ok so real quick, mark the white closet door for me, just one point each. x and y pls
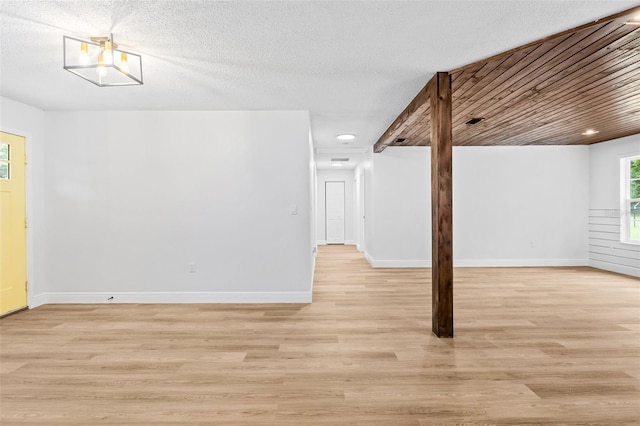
(334, 212)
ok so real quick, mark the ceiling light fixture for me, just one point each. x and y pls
(100, 61)
(336, 164)
(589, 132)
(346, 137)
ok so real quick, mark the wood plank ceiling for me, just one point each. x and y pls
(544, 93)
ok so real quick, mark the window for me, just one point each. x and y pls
(631, 199)
(4, 161)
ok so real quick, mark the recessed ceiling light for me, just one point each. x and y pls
(474, 120)
(346, 137)
(336, 164)
(634, 21)
(589, 132)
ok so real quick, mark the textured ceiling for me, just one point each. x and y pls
(353, 65)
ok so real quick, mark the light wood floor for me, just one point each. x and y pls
(532, 346)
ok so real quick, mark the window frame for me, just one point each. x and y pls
(626, 200)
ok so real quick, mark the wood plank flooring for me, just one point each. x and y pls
(532, 346)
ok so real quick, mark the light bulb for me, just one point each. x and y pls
(124, 63)
(108, 52)
(84, 54)
(101, 69)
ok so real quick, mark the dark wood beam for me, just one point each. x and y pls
(441, 205)
(405, 120)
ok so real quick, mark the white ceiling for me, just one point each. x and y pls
(354, 65)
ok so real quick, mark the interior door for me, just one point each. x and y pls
(334, 212)
(13, 255)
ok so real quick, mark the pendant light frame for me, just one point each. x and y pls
(120, 67)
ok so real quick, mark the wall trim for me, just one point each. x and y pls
(476, 263)
(314, 255)
(170, 297)
(514, 263)
(416, 263)
(346, 243)
(612, 267)
(369, 258)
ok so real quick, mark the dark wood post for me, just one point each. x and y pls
(441, 206)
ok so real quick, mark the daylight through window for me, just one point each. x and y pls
(631, 199)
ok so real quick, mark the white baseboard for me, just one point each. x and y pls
(369, 259)
(397, 263)
(476, 263)
(313, 269)
(516, 263)
(171, 297)
(346, 242)
(620, 269)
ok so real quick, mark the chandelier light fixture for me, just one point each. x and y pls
(100, 61)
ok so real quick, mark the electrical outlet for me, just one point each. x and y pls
(192, 267)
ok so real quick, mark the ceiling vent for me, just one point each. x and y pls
(339, 160)
(399, 141)
(475, 120)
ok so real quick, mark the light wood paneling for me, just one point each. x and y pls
(605, 249)
(546, 92)
(532, 346)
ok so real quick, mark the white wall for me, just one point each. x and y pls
(512, 206)
(347, 176)
(23, 120)
(368, 165)
(401, 194)
(520, 205)
(605, 249)
(134, 197)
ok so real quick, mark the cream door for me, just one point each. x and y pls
(13, 255)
